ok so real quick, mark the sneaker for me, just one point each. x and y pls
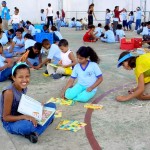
(33, 138)
(46, 73)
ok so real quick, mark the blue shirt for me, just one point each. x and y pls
(109, 35)
(87, 76)
(5, 13)
(18, 41)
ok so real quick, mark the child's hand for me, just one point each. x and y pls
(121, 98)
(33, 120)
(89, 89)
(60, 62)
(62, 95)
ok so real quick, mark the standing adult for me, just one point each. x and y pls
(63, 15)
(138, 18)
(49, 15)
(116, 18)
(5, 16)
(91, 14)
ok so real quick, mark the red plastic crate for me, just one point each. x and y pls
(126, 44)
(137, 42)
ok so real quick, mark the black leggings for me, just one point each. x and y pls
(90, 19)
(49, 19)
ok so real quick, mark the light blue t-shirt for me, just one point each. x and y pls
(139, 14)
(5, 13)
(54, 53)
(87, 76)
(2, 62)
(18, 41)
(109, 35)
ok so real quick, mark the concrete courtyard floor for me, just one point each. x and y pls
(118, 126)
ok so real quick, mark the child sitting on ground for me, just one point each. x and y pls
(119, 33)
(109, 36)
(57, 35)
(141, 66)
(89, 76)
(89, 36)
(3, 38)
(13, 121)
(10, 35)
(53, 53)
(34, 57)
(5, 66)
(66, 63)
(99, 30)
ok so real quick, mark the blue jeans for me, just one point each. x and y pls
(129, 25)
(58, 24)
(138, 24)
(78, 93)
(107, 21)
(26, 127)
(4, 74)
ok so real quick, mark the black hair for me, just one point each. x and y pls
(116, 7)
(49, 4)
(53, 28)
(19, 30)
(11, 31)
(131, 13)
(119, 26)
(44, 41)
(99, 24)
(131, 61)
(148, 23)
(63, 42)
(38, 46)
(86, 52)
(107, 27)
(57, 12)
(28, 36)
(42, 10)
(91, 26)
(22, 66)
(108, 10)
(73, 19)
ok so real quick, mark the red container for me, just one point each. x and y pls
(126, 44)
(137, 42)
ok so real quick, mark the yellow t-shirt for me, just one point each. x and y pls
(143, 66)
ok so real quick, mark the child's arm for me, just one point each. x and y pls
(8, 100)
(72, 58)
(69, 84)
(137, 93)
(98, 81)
(44, 62)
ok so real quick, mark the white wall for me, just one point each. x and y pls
(30, 9)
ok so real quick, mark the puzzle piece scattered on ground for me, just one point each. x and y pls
(93, 106)
(58, 114)
(70, 125)
(61, 101)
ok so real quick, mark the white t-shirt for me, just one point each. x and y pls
(29, 42)
(131, 18)
(108, 15)
(99, 31)
(2, 60)
(87, 76)
(58, 34)
(54, 53)
(139, 14)
(16, 18)
(4, 39)
(50, 11)
(120, 33)
(32, 30)
(124, 15)
(65, 58)
(43, 18)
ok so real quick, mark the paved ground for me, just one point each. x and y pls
(118, 126)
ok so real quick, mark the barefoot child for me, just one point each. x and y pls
(89, 76)
(141, 66)
(14, 122)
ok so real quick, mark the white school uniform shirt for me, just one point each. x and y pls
(139, 14)
(43, 18)
(3, 39)
(50, 11)
(108, 16)
(78, 24)
(16, 18)
(58, 34)
(2, 61)
(65, 58)
(99, 31)
(124, 15)
(32, 30)
(109, 35)
(28, 43)
(131, 18)
(120, 33)
(145, 31)
(87, 76)
(54, 52)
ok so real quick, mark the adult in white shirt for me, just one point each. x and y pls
(138, 18)
(49, 15)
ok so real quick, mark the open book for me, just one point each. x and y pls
(31, 107)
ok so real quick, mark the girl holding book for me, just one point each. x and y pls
(12, 120)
